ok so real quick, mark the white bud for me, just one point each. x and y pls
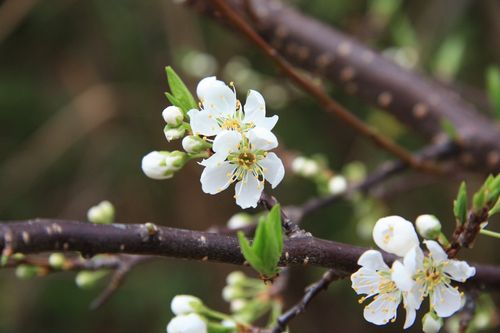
(237, 305)
(102, 213)
(431, 324)
(428, 226)
(57, 260)
(193, 144)
(239, 220)
(190, 323)
(229, 324)
(395, 235)
(174, 133)
(235, 277)
(173, 116)
(162, 164)
(184, 304)
(337, 184)
(230, 292)
(304, 166)
(88, 279)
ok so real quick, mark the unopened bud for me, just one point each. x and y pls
(428, 226)
(395, 235)
(190, 323)
(103, 213)
(237, 305)
(163, 164)
(88, 279)
(26, 271)
(235, 278)
(193, 144)
(239, 220)
(174, 133)
(431, 323)
(305, 167)
(337, 184)
(173, 116)
(56, 260)
(184, 304)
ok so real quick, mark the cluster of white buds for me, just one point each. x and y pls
(174, 117)
(412, 277)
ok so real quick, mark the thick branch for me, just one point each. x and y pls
(44, 235)
(419, 103)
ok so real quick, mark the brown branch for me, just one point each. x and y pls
(321, 97)
(465, 234)
(311, 292)
(45, 235)
(419, 103)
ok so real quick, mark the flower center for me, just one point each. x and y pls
(432, 275)
(231, 124)
(246, 160)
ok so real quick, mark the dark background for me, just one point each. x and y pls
(81, 95)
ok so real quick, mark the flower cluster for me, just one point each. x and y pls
(412, 278)
(234, 139)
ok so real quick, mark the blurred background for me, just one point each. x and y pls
(81, 93)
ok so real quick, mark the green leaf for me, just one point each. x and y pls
(495, 209)
(460, 204)
(171, 98)
(265, 251)
(183, 96)
(493, 85)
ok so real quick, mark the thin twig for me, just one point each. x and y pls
(311, 292)
(329, 104)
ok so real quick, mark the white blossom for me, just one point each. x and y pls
(193, 144)
(337, 184)
(428, 226)
(184, 304)
(305, 167)
(173, 116)
(395, 235)
(433, 274)
(375, 280)
(173, 133)
(190, 323)
(431, 324)
(162, 164)
(243, 160)
(223, 112)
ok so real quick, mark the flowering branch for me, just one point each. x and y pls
(416, 101)
(42, 235)
(328, 104)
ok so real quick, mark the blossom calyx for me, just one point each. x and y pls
(173, 116)
(428, 226)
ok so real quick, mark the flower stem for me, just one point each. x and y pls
(490, 233)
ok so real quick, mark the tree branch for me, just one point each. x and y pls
(419, 103)
(45, 235)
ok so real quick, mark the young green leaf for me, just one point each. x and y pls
(265, 251)
(460, 204)
(495, 209)
(448, 127)
(182, 95)
(493, 85)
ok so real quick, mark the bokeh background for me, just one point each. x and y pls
(81, 95)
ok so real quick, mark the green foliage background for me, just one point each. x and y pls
(81, 95)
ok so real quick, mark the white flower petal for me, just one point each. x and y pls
(411, 313)
(248, 191)
(414, 259)
(373, 260)
(436, 251)
(274, 171)
(262, 139)
(216, 97)
(395, 235)
(446, 300)
(214, 160)
(203, 123)
(383, 308)
(216, 178)
(459, 270)
(255, 111)
(227, 142)
(366, 282)
(266, 122)
(401, 276)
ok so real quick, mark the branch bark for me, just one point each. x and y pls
(419, 103)
(45, 235)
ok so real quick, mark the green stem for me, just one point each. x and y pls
(490, 233)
